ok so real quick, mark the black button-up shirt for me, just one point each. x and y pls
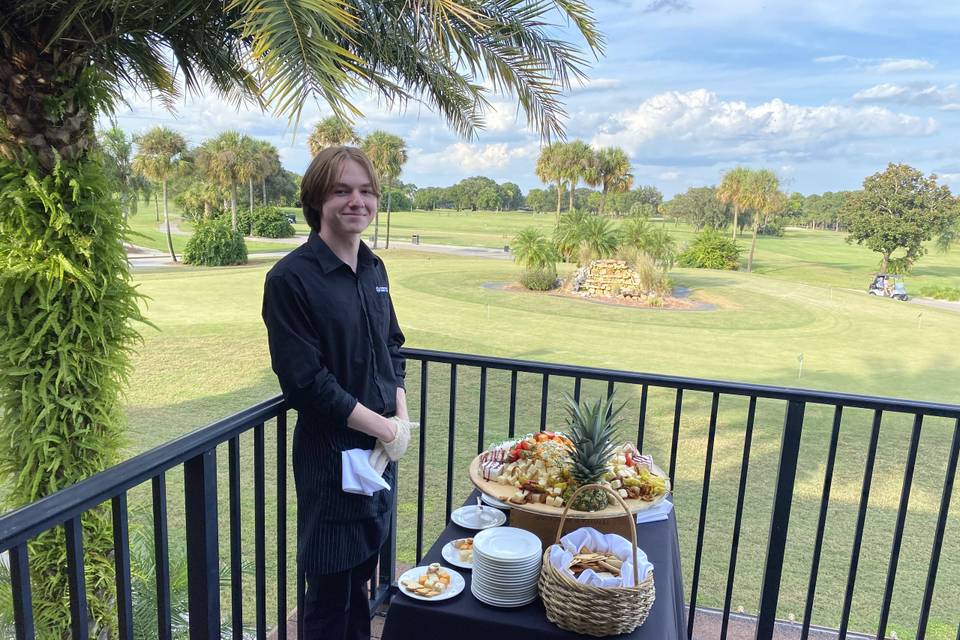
(334, 341)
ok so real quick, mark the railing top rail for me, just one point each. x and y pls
(30, 520)
(692, 384)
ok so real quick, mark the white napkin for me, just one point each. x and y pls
(655, 513)
(561, 556)
(357, 476)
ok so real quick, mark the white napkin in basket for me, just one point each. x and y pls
(561, 556)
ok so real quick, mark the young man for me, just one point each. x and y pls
(335, 347)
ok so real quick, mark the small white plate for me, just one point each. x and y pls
(473, 517)
(493, 502)
(455, 587)
(508, 545)
(452, 555)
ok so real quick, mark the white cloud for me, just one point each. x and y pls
(696, 127)
(596, 84)
(669, 176)
(915, 93)
(468, 159)
(880, 65)
(901, 65)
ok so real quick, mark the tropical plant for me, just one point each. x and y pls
(592, 428)
(898, 209)
(65, 338)
(569, 232)
(549, 169)
(711, 250)
(533, 249)
(732, 191)
(332, 131)
(117, 151)
(599, 239)
(388, 154)
(270, 222)
(198, 200)
(224, 160)
(609, 170)
(62, 65)
(269, 164)
(762, 195)
(576, 158)
(159, 157)
(215, 244)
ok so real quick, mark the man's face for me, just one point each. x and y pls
(351, 204)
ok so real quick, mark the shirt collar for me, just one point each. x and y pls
(328, 259)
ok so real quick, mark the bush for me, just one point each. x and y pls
(270, 222)
(539, 279)
(244, 222)
(215, 244)
(711, 250)
(941, 293)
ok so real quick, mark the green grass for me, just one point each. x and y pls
(209, 359)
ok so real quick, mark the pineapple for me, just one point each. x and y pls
(592, 427)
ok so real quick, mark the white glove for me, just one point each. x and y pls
(379, 458)
(398, 446)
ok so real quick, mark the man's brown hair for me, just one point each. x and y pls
(322, 175)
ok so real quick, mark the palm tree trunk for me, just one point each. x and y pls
(263, 188)
(166, 220)
(573, 187)
(206, 210)
(233, 205)
(753, 247)
(251, 196)
(736, 216)
(885, 262)
(156, 202)
(559, 196)
(603, 199)
(389, 202)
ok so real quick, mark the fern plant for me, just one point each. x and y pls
(66, 298)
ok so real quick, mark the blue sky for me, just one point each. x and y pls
(822, 92)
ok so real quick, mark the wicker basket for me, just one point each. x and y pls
(595, 611)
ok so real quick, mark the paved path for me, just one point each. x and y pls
(145, 258)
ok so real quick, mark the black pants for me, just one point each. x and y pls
(337, 605)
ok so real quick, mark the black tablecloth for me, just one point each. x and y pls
(466, 618)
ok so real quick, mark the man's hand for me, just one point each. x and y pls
(398, 446)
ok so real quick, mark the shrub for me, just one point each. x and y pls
(653, 280)
(539, 279)
(711, 250)
(244, 222)
(270, 222)
(215, 244)
(941, 293)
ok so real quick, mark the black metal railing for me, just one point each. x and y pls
(484, 399)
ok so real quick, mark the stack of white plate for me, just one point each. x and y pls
(506, 566)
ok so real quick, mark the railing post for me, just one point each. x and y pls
(779, 521)
(203, 571)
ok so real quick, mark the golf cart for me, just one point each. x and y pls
(888, 285)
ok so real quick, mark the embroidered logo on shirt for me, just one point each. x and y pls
(381, 289)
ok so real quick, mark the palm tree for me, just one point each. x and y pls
(159, 157)
(533, 250)
(117, 151)
(224, 160)
(732, 191)
(762, 194)
(62, 64)
(568, 234)
(388, 154)
(610, 170)
(269, 165)
(549, 169)
(599, 239)
(575, 162)
(332, 131)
